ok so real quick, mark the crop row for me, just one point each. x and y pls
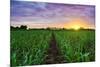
(29, 47)
(76, 46)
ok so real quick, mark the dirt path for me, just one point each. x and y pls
(54, 55)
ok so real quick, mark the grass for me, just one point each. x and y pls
(29, 47)
(77, 46)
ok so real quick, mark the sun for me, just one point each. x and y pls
(76, 27)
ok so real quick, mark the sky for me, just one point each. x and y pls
(43, 15)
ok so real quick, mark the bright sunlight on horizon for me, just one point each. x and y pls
(44, 15)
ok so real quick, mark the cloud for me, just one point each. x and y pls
(41, 12)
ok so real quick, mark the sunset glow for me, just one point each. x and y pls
(76, 27)
(78, 23)
(44, 15)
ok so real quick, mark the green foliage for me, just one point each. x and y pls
(76, 46)
(28, 47)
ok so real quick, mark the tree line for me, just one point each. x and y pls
(21, 27)
(24, 27)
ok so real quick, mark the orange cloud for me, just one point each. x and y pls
(78, 23)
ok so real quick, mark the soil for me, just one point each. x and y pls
(54, 56)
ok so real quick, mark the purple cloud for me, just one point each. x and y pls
(41, 12)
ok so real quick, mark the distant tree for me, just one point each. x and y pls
(14, 28)
(48, 28)
(11, 27)
(63, 29)
(23, 27)
(17, 27)
(81, 28)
